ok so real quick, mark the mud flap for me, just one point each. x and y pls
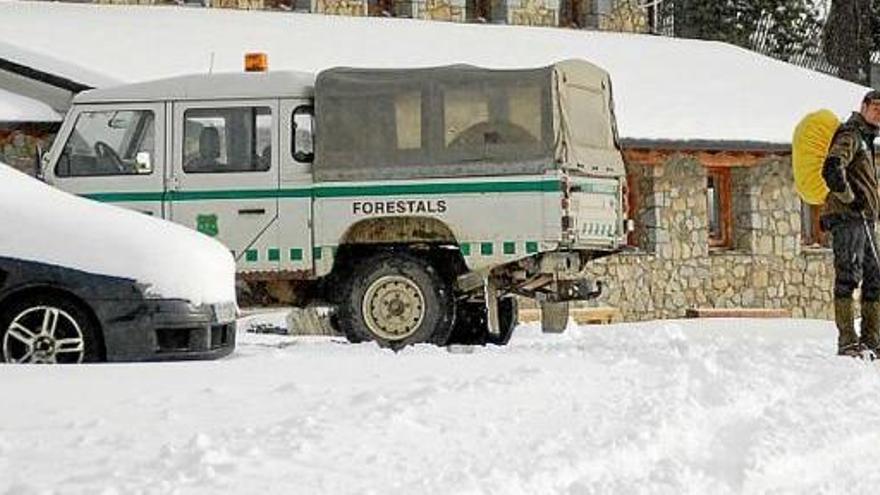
(554, 316)
(492, 319)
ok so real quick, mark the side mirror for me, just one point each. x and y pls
(144, 162)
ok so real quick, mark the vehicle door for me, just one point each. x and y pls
(114, 154)
(225, 180)
(295, 202)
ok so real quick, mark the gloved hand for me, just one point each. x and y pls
(833, 175)
(858, 203)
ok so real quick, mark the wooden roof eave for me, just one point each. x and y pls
(722, 154)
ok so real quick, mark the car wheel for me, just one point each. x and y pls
(47, 329)
(397, 300)
(471, 325)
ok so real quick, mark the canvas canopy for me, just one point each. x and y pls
(463, 120)
(586, 128)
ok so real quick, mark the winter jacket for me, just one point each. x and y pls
(849, 171)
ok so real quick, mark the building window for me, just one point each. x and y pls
(811, 232)
(718, 206)
(381, 8)
(479, 10)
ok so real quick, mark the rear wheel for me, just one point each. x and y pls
(397, 300)
(47, 329)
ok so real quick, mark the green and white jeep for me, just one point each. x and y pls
(415, 202)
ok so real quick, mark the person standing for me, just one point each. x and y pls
(850, 213)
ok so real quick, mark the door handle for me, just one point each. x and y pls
(252, 211)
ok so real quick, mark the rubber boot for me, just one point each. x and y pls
(847, 340)
(871, 325)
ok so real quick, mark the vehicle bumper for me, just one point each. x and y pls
(168, 329)
(568, 282)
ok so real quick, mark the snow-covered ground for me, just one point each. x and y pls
(712, 406)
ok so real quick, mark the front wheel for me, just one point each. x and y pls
(47, 330)
(397, 300)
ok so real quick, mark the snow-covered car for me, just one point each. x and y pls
(82, 281)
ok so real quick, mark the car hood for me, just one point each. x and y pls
(40, 223)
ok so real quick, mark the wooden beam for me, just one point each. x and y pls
(714, 159)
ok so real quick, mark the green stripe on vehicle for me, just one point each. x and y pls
(531, 247)
(442, 188)
(131, 197)
(486, 249)
(596, 188)
(509, 247)
(332, 191)
(465, 249)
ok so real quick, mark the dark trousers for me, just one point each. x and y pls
(855, 259)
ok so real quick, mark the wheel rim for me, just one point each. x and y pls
(393, 307)
(43, 334)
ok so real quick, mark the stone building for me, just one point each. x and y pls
(718, 229)
(26, 125)
(614, 15)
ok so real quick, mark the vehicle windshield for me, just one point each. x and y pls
(113, 142)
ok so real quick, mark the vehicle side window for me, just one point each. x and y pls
(478, 118)
(221, 140)
(303, 134)
(117, 142)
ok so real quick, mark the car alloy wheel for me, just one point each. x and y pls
(43, 334)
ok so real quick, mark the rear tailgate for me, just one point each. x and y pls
(596, 212)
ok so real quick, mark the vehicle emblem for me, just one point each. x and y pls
(207, 224)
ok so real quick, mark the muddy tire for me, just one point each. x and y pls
(397, 300)
(471, 325)
(48, 329)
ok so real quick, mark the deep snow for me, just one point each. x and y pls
(43, 224)
(665, 88)
(710, 406)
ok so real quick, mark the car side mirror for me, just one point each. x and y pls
(144, 162)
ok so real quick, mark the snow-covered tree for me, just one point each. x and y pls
(779, 28)
(852, 30)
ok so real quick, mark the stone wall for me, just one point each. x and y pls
(673, 267)
(533, 12)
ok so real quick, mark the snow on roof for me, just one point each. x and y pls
(228, 86)
(17, 108)
(58, 228)
(665, 88)
(49, 64)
